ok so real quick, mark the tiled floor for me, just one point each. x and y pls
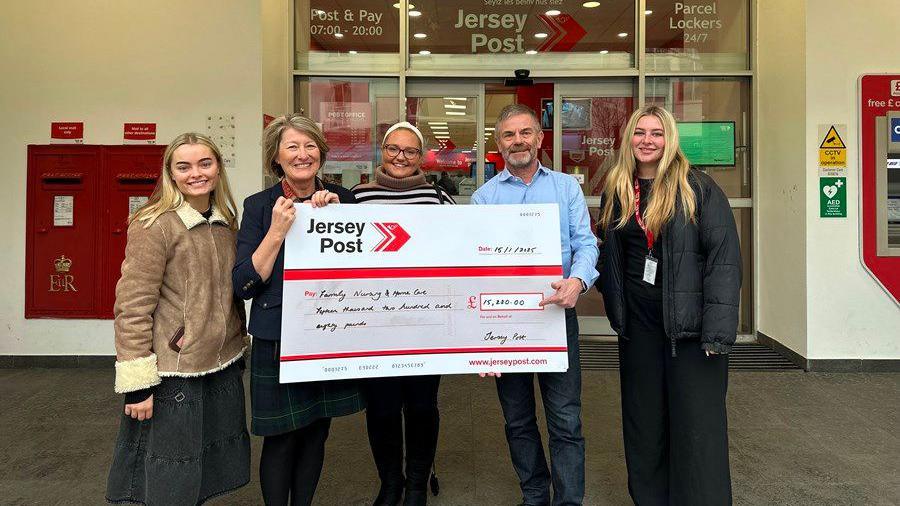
(796, 438)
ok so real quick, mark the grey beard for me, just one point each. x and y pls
(519, 165)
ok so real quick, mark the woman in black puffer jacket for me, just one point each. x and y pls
(670, 275)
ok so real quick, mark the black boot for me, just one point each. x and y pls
(421, 441)
(415, 497)
(390, 494)
(386, 440)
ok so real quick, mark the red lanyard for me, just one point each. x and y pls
(637, 214)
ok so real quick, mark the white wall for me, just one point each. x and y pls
(105, 63)
(849, 316)
(276, 51)
(780, 185)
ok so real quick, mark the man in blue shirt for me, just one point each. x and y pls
(525, 181)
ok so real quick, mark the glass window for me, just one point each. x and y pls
(483, 34)
(695, 36)
(714, 123)
(354, 115)
(352, 35)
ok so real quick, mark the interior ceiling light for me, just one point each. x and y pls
(531, 51)
(623, 35)
(339, 35)
(605, 51)
(437, 122)
(540, 35)
(648, 12)
(424, 52)
(454, 106)
(414, 14)
(410, 6)
(553, 12)
(351, 51)
(461, 99)
(590, 5)
(454, 113)
(419, 35)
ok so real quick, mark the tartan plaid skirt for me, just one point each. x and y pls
(277, 408)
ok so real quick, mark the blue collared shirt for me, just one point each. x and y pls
(579, 246)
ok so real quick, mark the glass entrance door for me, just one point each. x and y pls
(457, 120)
(449, 117)
(590, 121)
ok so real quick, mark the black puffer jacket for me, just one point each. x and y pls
(700, 271)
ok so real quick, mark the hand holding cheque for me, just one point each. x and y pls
(411, 290)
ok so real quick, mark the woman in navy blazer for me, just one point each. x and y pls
(293, 418)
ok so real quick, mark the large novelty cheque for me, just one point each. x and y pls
(381, 290)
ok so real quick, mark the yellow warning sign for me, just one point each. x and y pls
(832, 151)
(833, 140)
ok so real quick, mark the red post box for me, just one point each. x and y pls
(130, 174)
(78, 201)
(62, 252)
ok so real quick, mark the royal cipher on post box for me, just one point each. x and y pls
(78, 201)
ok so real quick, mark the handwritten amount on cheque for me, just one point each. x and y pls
(391, 301)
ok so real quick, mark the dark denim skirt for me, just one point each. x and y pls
(195, 446)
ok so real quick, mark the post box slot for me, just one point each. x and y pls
(141, 178)
(65, 178)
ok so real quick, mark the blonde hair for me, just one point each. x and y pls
(272, 139)
(166, 196)
(671, 182)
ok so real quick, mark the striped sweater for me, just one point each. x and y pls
(409, 190)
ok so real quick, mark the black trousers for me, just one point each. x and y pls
(673, 415)
(389, 402)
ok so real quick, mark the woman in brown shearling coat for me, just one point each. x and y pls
(180, 339)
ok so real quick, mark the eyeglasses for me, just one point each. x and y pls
(394, 150)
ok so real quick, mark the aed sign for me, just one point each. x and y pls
(895, 130)
(832, 197)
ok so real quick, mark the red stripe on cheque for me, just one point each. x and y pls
(421, 272)
(427, 351)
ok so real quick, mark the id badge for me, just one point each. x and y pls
(650, 264)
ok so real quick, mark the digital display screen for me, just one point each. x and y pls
(708, 143)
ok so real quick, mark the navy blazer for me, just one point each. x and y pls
(265, 311)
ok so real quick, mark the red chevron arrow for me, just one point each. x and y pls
(565, 32)
(394, 236)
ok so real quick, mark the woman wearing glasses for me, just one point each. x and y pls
(400, 180)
